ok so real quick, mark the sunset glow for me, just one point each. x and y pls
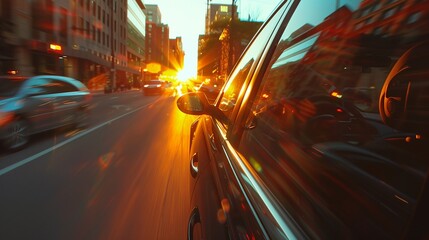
(186, 19)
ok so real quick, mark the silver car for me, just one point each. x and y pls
(30, 105)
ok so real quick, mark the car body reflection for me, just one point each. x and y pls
(32, 105)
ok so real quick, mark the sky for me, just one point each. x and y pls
(186, 19)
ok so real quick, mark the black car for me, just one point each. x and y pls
(154, 86)
(30, 105)
(321, 130)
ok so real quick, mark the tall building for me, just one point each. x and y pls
(209, 48)
(84, 39)
(176, 54)
(136, 53)
(157, 39)
(217, 50)
(219, 12)
(153, 13)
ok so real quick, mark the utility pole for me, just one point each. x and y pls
(231, 39)
(208, 18)
(110, 86)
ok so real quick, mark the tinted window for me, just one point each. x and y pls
(341, 118)
(57, 86)
(233, 87)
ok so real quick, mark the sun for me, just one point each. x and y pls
(185, 74)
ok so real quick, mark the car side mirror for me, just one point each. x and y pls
(196, 103)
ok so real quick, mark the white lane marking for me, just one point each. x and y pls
(48, 150)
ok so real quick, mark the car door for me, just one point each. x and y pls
(220, 209)
(317, 151)
(67, 101)
(39, 104)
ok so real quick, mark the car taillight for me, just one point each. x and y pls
(5, 117)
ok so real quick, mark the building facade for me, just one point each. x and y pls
(157, 41)
(177, 55)
(153, 13)
(84, 39)
(223, 43)
(209, 46)
(136, 40)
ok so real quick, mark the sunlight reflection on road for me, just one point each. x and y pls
(105, 160)
(154, 197)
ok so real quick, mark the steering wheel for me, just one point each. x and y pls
(393, 97)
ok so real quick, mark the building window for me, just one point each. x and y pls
(388, 13)
(378, 31)
(359, 25)
(87, 30)
(413, 18)
(88, 5)
(93, 33)
(377, 6)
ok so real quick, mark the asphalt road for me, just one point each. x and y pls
(125, 177)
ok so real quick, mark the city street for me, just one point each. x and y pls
(124, 177)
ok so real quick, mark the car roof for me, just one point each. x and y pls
(55, 77)
(70, 80)
(155, 80)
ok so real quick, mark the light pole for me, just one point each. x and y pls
(231, 39)
(208, 18)
(111, 83)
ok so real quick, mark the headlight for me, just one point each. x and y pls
(146, 85)
(159, 85)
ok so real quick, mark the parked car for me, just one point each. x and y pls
(30, 105)
(321, 130)
(154, 86)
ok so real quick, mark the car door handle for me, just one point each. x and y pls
(194, 165)
(193, 220)
(212, 142)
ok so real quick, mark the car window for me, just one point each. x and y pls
(337, 123)
(241, 72)
(57, 86)
(39, 85)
